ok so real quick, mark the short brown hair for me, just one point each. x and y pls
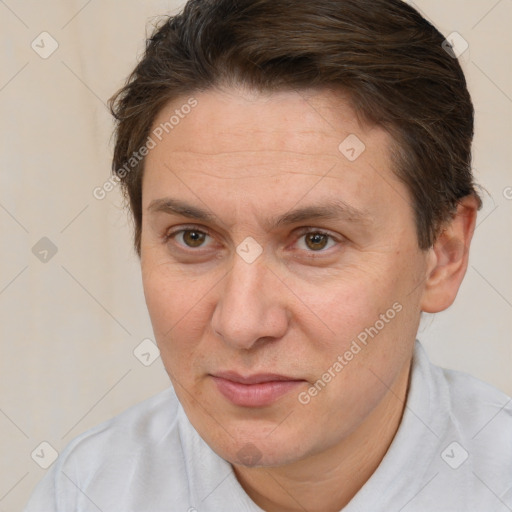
(383, 53)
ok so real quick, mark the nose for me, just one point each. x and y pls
(251, 305)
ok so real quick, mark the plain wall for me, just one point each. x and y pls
(69, 325)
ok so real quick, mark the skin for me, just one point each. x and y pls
(248, 158)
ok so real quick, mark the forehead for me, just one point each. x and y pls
(300, 122)
(234, 143)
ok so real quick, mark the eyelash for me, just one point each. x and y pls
(303, 231)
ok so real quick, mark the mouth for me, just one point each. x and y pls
(258, 390)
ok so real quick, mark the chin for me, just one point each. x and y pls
(250, 437)
(259, 450)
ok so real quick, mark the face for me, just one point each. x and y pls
(281, 270)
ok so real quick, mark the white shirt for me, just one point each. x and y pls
(452, 452)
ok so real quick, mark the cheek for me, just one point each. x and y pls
(368, 320)
(344, 304)
(177, 308)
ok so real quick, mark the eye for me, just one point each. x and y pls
(316, 241)
(191, 237)
(309, 240)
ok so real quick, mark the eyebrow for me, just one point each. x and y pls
(329, 210)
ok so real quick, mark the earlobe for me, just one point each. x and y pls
(448, 258)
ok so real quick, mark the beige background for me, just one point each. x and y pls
(69, 325)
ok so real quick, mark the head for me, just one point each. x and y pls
(301, 192)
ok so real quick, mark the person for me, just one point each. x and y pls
(300, 182)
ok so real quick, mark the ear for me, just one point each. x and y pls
(448, 258)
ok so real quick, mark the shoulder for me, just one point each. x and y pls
(472, 405)
(138, 425)
(480, 430)
(460, 430)
(476, 405)
(119, 461)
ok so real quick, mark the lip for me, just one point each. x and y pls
(258, 390)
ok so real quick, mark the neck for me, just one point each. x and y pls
(327, 481)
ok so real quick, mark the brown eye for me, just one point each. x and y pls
(193, 238)
(316, 241)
